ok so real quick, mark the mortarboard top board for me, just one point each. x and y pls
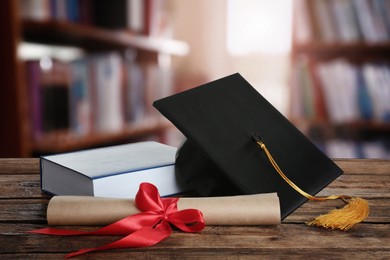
(220, 156)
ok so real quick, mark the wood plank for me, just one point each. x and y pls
(217, 254)
(235, 239)
(21, 186)
(17, 166)
(371, 166)
(363, 185)
(23, 210)
(379, 211)
(23, 206)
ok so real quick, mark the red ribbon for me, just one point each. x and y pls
(143, 229)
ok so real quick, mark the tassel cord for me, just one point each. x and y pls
(355, 210)
(293, 185)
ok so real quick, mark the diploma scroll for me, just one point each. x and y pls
(259, 209)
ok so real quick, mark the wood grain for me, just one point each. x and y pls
(23, 208)
(13, 166)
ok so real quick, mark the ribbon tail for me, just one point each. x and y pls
(58, 232)
(144, 237)
(124, 227)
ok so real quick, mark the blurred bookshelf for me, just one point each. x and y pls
(340, 89)
(102, 97)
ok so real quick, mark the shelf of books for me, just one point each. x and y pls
(341, 75)
(103, 95)
(100, 95)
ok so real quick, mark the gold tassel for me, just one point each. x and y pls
(354, 212)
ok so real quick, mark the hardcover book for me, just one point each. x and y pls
(113, 172)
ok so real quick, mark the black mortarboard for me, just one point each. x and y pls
(220, 156)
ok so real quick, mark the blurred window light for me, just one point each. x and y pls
(259, 26)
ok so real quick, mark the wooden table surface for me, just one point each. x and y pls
(23, 208)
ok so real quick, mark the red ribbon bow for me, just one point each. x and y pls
(143, 229)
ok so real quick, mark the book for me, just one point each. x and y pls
(136, 15)
(155, 75)
(47, 82)
(103, 14)
(372, 26)
(112, 172)
(325, 21)
(54, 91)
(33, 79)
(339, 85)
(34, 9)
(364, 98)
(345, 20)
(80, 98)
(302, 21)
(108, 92)
(134, 93)
(378, 90)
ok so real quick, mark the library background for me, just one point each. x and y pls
(78, 74)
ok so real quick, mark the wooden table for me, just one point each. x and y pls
(23, 208)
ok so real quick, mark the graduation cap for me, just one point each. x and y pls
(227, 124)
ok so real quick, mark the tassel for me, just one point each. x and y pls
(354, 212)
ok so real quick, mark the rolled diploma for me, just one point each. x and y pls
(259, 209)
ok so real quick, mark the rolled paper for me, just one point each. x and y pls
(258, 209)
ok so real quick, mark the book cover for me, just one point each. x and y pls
(345, 20)
(135, 102)
(33, 82)
(302, 28)
(111, 14)
(328, 30)
(80, 98)
(35, 9)
(54, 91)
(108, 93)
(113, 172)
